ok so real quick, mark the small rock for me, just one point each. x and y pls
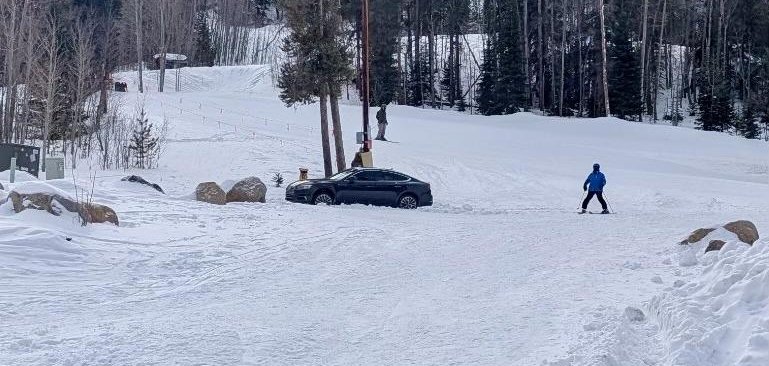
(679, 283)
(657, 279)
(210, 192)
(715, 245)
(745, 230)
(140, 180)
(1, 187)
(250, 189)
(634, 314)
(631, 265)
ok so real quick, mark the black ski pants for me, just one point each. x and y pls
(590, 197)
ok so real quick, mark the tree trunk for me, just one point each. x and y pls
(324, 135)
(579, 62)
(337, 123)
(659, 58)
(603, 55)
(162, 82)
(643, 57)
(139, 4)
(563, 55)
(526, 53)
(431, 55)
(540, 66)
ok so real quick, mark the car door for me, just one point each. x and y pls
(391, 185)
(359, 188)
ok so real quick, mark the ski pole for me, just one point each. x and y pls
(611, 209)
(582, 199)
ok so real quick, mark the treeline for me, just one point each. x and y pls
(58, 58)
(707, 60)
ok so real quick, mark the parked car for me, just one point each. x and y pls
(368, 186)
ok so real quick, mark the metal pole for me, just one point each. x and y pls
(13, 170)
(365, 74)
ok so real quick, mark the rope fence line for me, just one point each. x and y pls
(235, 127)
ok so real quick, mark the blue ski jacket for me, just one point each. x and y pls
(596, 180)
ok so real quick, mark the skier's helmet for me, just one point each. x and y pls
(596, 166)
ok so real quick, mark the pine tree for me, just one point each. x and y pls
(204, 50)
(143, 143)
(502, 88)
(487, 96)
(624, 67)
(384, 38)
(747, 125)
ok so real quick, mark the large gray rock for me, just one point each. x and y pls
(210, 192)
(250, 189)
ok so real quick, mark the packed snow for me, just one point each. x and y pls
(501, 271)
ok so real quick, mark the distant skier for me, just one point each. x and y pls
(381, 118)
(596, 180)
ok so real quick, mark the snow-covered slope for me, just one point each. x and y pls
(500, 271)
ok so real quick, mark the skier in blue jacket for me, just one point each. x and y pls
(596, 180)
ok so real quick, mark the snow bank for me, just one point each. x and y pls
(721, 317)
(38, 187)
(21, 176)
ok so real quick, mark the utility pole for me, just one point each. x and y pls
(365, 75)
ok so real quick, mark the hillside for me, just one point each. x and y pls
(501, 271)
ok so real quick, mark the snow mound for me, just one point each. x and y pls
(31, 187)
(21, 176)
(719, 317)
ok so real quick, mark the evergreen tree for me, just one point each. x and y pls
(715, 106)
(384, 36)
(143, 143)
(204, 50)
(624, 66)
(502, 86)
(747, 125)
(487, 97)
(419, 81)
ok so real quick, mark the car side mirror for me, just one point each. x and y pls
(350, 180)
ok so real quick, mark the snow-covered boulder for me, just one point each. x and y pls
(745, 231)
(250, 189)
(43, 197)
(140, 180)
(715, 245)
(697, 235)
(52, 203)
(210, 192)
(95, 213)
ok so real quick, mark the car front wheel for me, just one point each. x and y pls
(323, 198)
(408, 202)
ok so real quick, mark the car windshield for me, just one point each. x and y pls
(341, 175)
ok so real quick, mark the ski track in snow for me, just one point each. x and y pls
(501, 271)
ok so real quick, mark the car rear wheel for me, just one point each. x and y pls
(323, 198)
(408, 202)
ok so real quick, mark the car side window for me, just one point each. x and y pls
(393, 177)
(368, 176)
